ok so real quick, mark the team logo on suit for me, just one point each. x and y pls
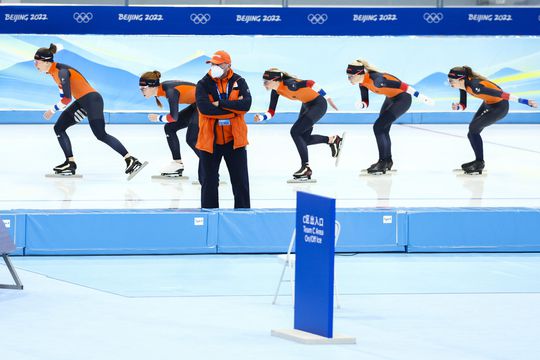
(200, 19)
(433, 18)
(83, 17)
(317, 19)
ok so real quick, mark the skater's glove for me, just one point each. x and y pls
(262, 117)
(361, 105)
(458, 107)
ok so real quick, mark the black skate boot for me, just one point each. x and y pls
(304, 173)
(474, 167)
(335, 147)
(389, 164)
(66, 168)
(380, 167)
(133, 166)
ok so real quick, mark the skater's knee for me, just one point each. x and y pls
(474, 130)
(168, 128)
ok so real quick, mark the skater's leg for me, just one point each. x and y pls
(93, 104)
(66, 120)
(484, 117)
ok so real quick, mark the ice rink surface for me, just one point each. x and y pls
(424, 156)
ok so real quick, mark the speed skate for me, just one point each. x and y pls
(137, 170)
(364, 172)
(169, 177)
(301, 181)
(64, 175)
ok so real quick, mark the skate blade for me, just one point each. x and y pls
(135, 172)
(165, 177)
(463, 174)
(341, 149)
(461, 171)
(364, 171)
(64, 176)
(388, 173)
(301, 181)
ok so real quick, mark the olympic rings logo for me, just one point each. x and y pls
(317, 19)
(433, 18)
(200, 19)
(83, 18)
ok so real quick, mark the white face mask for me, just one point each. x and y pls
(216, 71)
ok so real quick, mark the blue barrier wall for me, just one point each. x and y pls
(269, 231)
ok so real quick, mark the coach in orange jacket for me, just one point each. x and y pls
(223, 98)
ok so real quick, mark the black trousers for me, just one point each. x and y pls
(301, 130)
(236, 160)
(91, 106)
(188, 117)
(391, 109)
(485, 116)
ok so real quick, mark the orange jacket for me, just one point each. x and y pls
(226, 91)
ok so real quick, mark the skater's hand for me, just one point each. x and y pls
(426, 100)
(215, 103)
(153, 117)
(457, 107)
(361, 105)
(533, 104)
(332, 104)
(48, 114)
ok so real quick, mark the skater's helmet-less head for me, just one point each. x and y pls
(458, 75)
(44, 57)
(357, 69)
(149, 84)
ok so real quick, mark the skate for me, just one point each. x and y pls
(134, 166)
(66, 169)
(336, 147)
(474, 167)
(303, 175)
(380, 167)
(172, 171)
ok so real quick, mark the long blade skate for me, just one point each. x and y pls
(301, 181)
(64, 175)
(462, 172)
(136, 170)
(364, 172)
(169, 177)
(338, 156)
(196, 182)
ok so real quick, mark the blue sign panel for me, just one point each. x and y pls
(314, 271)
(268, 21)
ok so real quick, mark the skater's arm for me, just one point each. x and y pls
(364, 98)
(65, 91)
(382, 82)
(173, 95)
(206, 107)
(274, 97)
(243, 104)
(462, 105)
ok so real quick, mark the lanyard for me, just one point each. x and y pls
(226, 91)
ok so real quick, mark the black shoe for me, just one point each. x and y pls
(304, 172)
(389, 164)
(67, 167)
(474, 167)
(335, 147)
(380, 167)
(132, 164)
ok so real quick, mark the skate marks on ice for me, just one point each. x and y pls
(137, 170)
